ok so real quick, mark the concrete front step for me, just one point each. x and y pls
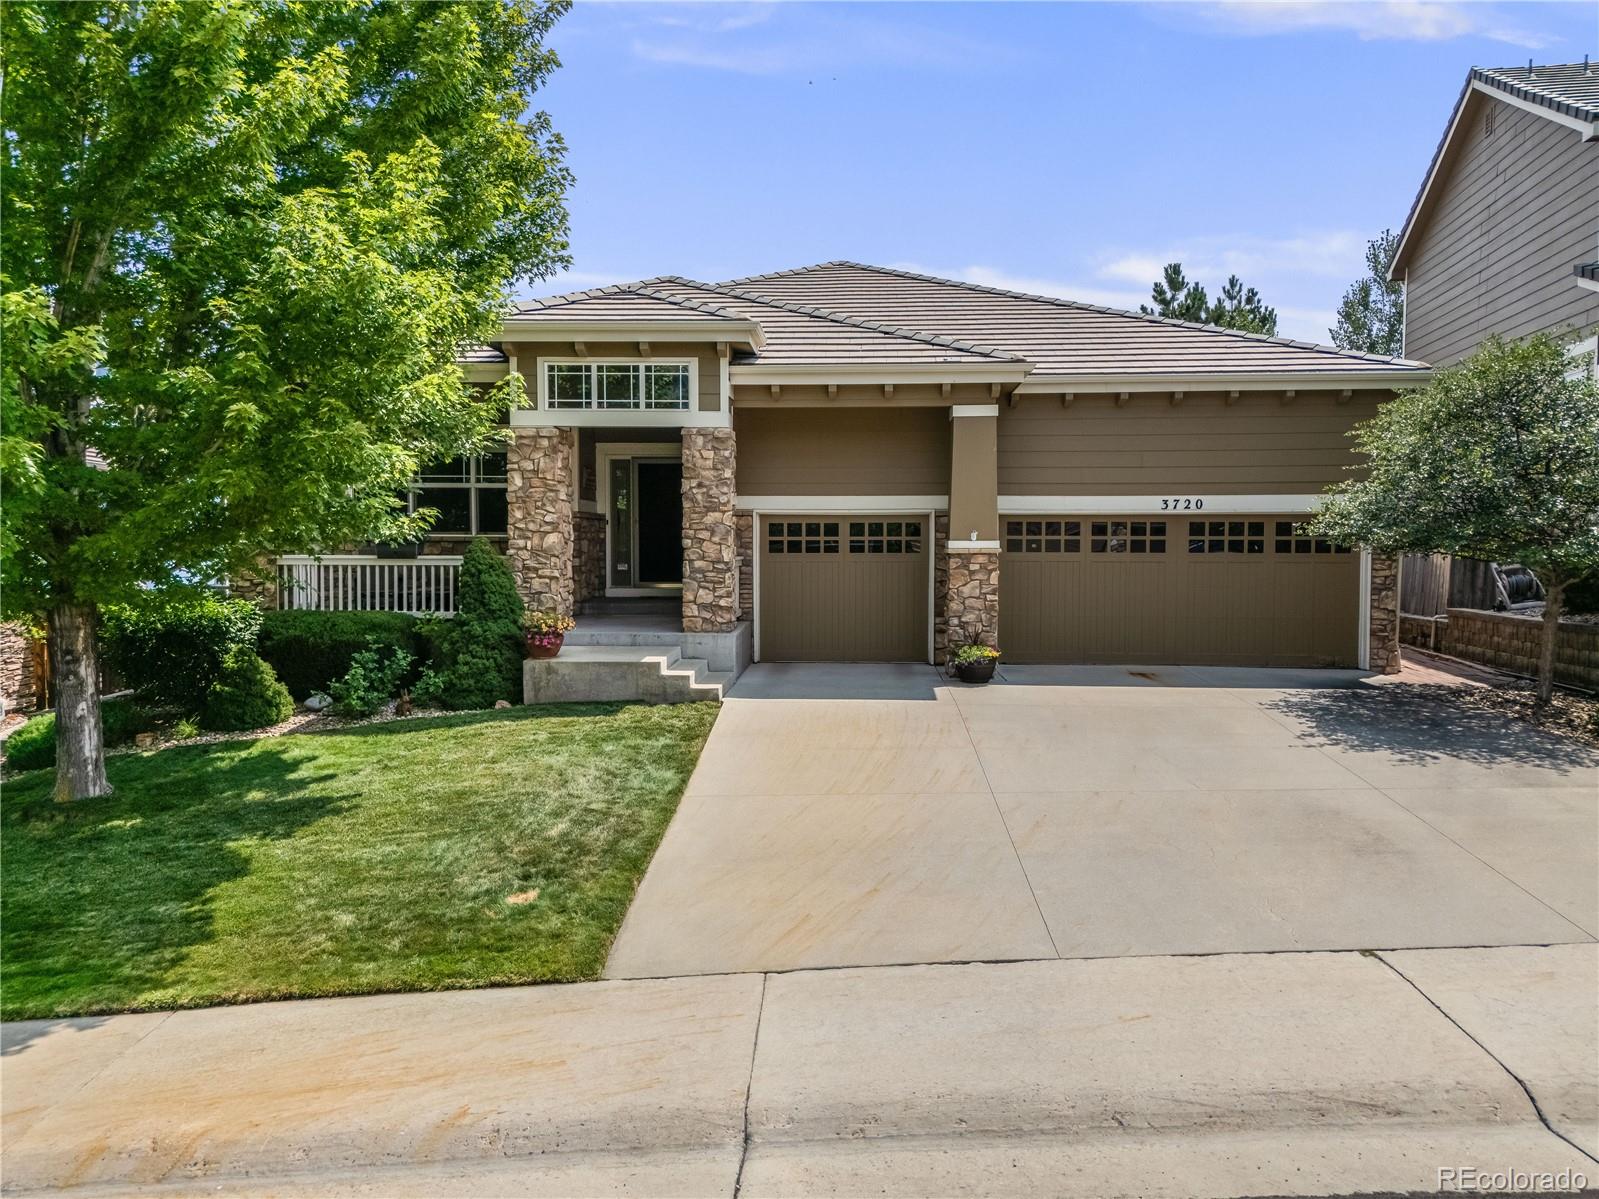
(621, 674)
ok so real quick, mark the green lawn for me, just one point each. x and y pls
(377, 859)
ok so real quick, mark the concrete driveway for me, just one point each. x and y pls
(878, 815)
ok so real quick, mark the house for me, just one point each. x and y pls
(1503, 237)
(853, 463)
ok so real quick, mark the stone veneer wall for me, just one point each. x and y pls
(710, 553)
(971, 598)
(539, 483)
(1384, 639)
(588, 570)
(22, 666)
(744, 533)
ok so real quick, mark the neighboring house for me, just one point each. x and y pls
(869, 464)
(1503, 237)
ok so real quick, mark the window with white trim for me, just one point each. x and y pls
(602, 386)
(469, 494)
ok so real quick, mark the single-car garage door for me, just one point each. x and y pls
(1222, 590)
(842, 588)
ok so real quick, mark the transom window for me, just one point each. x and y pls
(1043, 537)
(1226, 537)
(1291, 540)
(1127, 537)
(885, 536)
(613, 385)
(469, 494)
(802, 537)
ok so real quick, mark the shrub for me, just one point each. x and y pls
(309, 650)
(370, 682)
(246, 695)
(172, 648)
(477, 656)
(33, 746)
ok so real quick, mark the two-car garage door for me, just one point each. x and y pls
(1205, 589)
(1224, 590)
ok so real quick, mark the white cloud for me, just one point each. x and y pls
(1336, 254)
(1369, 20)
(777, 39)
(1123, 280)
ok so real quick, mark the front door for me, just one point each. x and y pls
(645, 525)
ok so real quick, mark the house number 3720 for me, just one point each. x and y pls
(1183, 504)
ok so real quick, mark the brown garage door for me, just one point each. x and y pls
(1223, 590)
(843, 588)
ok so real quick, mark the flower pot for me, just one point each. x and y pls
(544, 645)
(980, 671)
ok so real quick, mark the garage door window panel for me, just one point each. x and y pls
(1127, 537)
(802, 537)
(1290, 539)
(1043, 537)
(1227, 537)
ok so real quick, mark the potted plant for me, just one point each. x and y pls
(543, 632)
(974, 663)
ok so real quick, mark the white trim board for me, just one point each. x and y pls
(956, 547)
(842, 505)
(973, 410)
(1119, 505)
(1363, 647)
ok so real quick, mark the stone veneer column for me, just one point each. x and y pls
(1384, 633)
(710, 549)
(539, 488)
(970, 550)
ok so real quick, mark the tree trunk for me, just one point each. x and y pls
(1554, 604)
(75, 675)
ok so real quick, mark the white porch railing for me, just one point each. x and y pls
(363, 583)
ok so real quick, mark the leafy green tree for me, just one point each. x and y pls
(1237, 307)
(241, 244)
(1371, 316)
(1497, 458)
(1176, 297)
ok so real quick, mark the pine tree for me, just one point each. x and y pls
(1371, 316)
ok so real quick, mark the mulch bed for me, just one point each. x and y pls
(1569, 713)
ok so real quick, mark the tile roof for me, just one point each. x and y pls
(797, 334)
(621, 302)
(1571, 88)
(1060, 337)
(482, 354)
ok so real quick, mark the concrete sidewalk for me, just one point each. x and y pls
(1283, 1074)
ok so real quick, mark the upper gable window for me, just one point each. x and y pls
(617, 385)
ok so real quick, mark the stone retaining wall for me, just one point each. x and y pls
(1510, 642)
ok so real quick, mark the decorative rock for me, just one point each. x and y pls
(318, 702)
(143, 740)
(501, 704)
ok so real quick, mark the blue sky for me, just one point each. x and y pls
(1062, 148)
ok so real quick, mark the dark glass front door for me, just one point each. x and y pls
(659, 536)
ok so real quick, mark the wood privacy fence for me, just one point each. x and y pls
(1431, 584)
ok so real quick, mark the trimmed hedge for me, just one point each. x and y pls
(172, 648)
(33, 746)
(475, 659)
(309, 650)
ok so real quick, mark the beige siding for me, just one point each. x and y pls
(1257, 445)
(1513, 212)
(846, 451)
(710, 365)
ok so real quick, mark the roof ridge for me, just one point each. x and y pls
(1544, 91)
(844, 318)
(640, 288)
(1062, 302)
